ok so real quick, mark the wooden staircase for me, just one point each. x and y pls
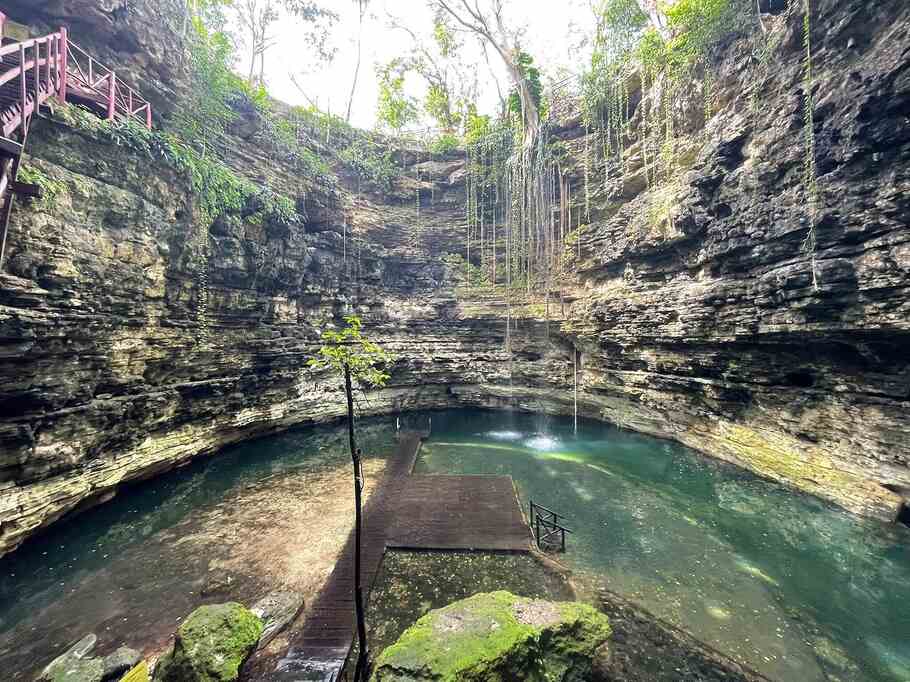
(31, 72)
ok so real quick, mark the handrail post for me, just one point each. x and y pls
(37, 76)
(62, 66)
(47, 71)
(111, 94)
(148, 115)
(23, 94)
(2, 22)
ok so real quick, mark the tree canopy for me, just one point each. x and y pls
(348, 348)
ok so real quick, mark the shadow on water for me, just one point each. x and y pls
(129, 569)
(794, 587)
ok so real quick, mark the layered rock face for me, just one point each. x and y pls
(699, 318)
(122, 360)
(699, 322)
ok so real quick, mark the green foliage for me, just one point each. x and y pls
(284, 136)
(444, 37)
(372, 160)
(50, 188)
(477, 126)
(696, 26)
(622, 40)
(532, 75)
(349, 349)
(438, 104)
(395, 109)
(217, 188)
(217, 91)
(444, 143)
(207, 111)
(619, 25)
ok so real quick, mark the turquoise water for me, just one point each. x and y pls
(128, 570)
(799, 590)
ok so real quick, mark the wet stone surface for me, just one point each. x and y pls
(412, 583)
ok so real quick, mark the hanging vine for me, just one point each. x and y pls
(201, 263)
(810, 180)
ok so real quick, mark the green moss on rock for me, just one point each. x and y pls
(497, 636)
(138, 674)
(211, 645)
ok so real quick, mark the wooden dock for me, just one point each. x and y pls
(404, 512)
(458, 513)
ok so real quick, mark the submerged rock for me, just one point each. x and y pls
(75, 665)
(211, 645)
(497, 636)
(276, 610)
(119, 662)
(69, 669)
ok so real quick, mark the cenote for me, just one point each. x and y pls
(795, 588)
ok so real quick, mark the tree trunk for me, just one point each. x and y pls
(657, 18)
(361, 672)
(347, 116)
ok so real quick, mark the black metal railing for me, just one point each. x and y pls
(549, 532)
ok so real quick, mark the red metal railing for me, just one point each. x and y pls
(33, 70)
(90, 76)
(29, 74)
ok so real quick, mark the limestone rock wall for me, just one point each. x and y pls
(698, 323)
(111, 373)
(699, 319)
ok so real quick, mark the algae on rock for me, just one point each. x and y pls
(497, 636)
(211, 645)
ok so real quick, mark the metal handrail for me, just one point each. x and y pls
(549, 511)
(120, 97)
(14, 47)
(551, 527)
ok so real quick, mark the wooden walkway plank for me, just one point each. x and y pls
(405, 512)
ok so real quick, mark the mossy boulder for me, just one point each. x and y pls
(138, 674)
(497, 637)
(211, 645)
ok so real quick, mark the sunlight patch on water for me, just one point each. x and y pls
(718, 612)
(601, 469)
(744, 564)
(504, 435)
(542, 442)
(582, 492)
(897, 661)
(746, 567)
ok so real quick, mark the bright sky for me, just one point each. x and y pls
(553, 31)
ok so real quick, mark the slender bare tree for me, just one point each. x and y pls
(257, 17)
(451, 81)
(361, 8)
(489, 25)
